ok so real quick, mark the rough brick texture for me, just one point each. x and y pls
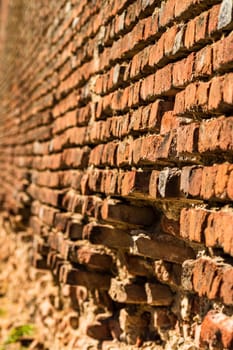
(116, 140)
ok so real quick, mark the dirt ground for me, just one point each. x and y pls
(23, 291)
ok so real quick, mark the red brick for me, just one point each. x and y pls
(156, 52)
(230, 186)
(107, 235)
(227, 87)
(126, 215)
(109, 182)
(201, 23)
(169, 122)
(144, 59)
(221, 180)
(190, 34)
(192, 224)
(138, 266)
(170, 226)
(218, 232)
(182, 7)
(76, 157)
(222, 53)
(226, 135)
(136, 120)
(179, 41)
(64, 122)
(165, 247)
(191, 97)
(163, 81)
(153, 185)
(91, 280)
(203, 62)
(190, 182)
(187, 138)
(109, 154)
(205, 275)
(151, 25)
(135, 65)
(92, 257)
(145, 117)
(217, 325)
(202, 96)
(134, 94)
(167, 12)
(158, 294)
(169, 40)
(169, 181)
(208, 182)
(213, 19)
(47, 215)
(136, 150)
(210, 135)
(179, 107)
(155, 147)
(156, 112)
(227, 290)
(129, 293)
(183, 71)
(147, 88)
(99, 331)
(135, 184)
(123, 155)
(74, 229)
(216, 93)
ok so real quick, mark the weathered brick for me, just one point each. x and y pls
(106, 235)
(135, 184)
(88, 279)
(183, 71)
(203, 62)
(190, 181)
(91, 257)
(215, 324)
(138, 266)
(169, 183)
(167, 12)
(226, 292)
(158, 294)
(166, 248)
(225, 14)
(153, 185)
(127, 215)
(218, 231)
(187, 136)
(129, 293)
(192, 224)
(201, 23)
(215, 135)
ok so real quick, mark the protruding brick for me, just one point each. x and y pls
(158, 294)
(107, 235)
(217, 328)
(164, 247)
(91, 280)
(115, 212)
(225, 14)
(129, 293)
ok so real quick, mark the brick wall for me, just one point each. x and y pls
(116, 141)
